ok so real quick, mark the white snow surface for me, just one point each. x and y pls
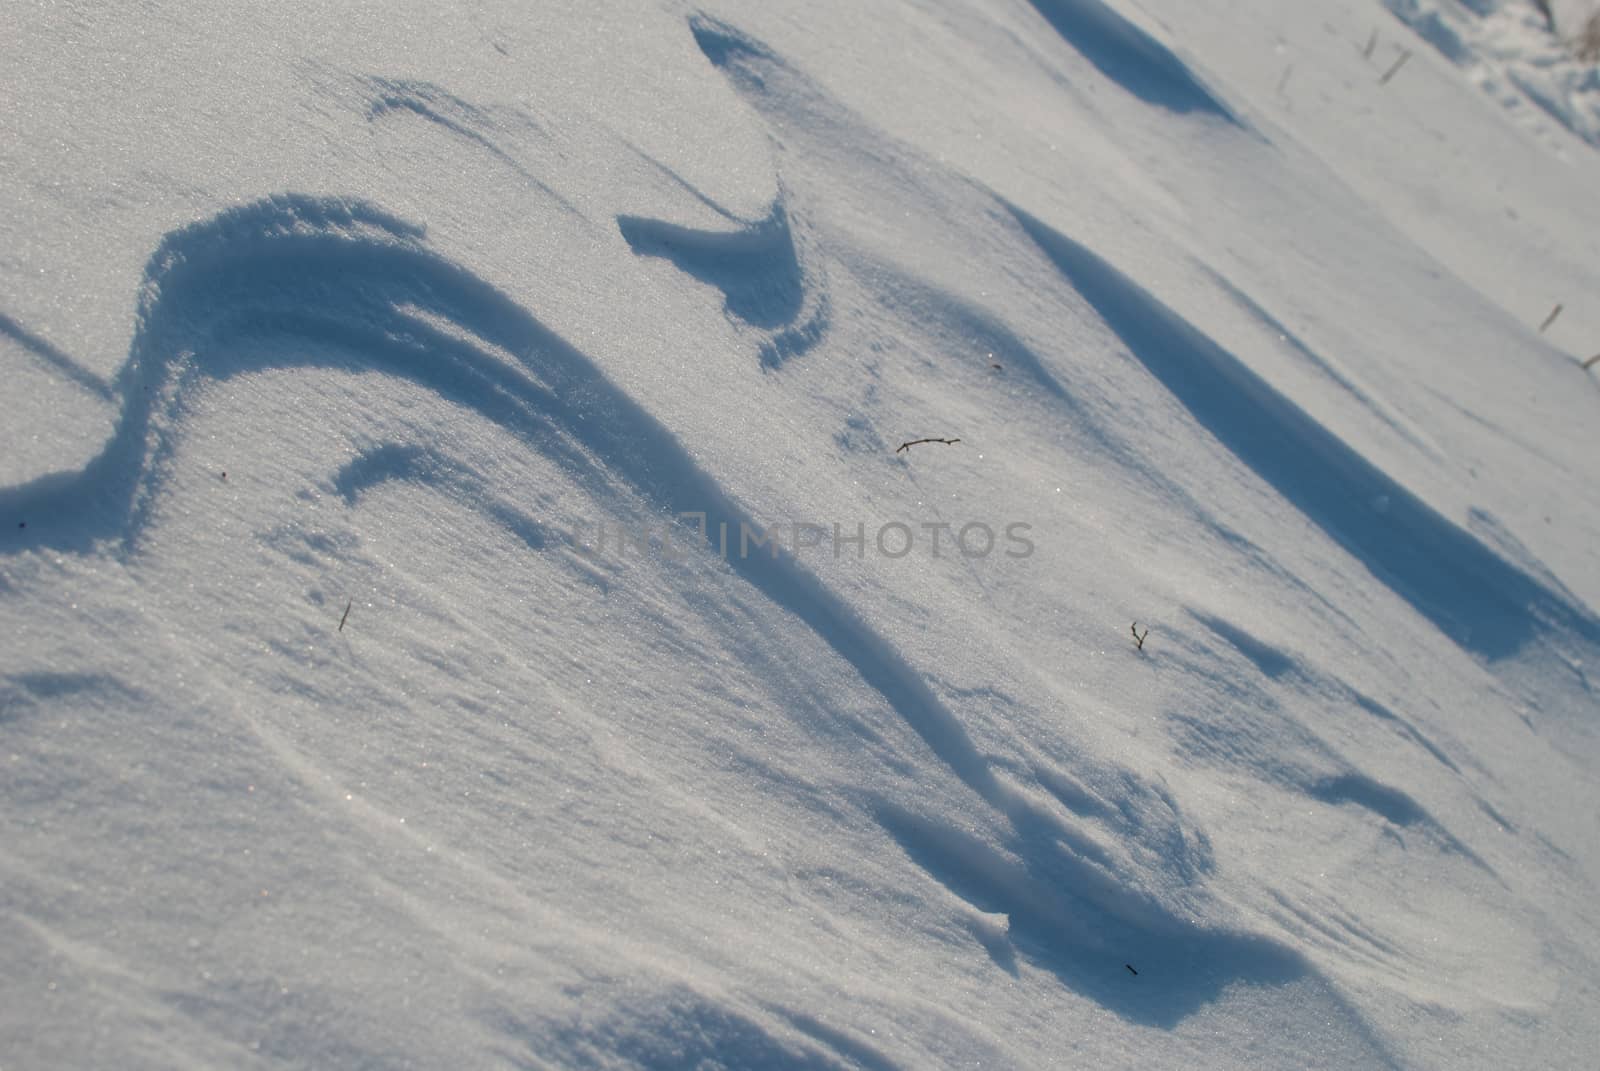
(1525, 55)
(340, 344)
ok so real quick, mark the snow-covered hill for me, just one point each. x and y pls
(467, 599)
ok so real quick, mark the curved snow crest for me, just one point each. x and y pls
(1131, 57)
(354, 288)
(1115, 46)
(445, 476)
(109, 498)
(1484, 603)
(508, 134)
(769, 278)
(765, 282)
(730, 49)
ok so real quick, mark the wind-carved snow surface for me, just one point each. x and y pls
(341, 726)
(1510, 49)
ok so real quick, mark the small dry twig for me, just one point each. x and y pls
(1372, 43)
(1548, 320)
(1405, 54)
(1592, 361)
(1138, 640)
(1587, 43)
(919, 442)
(346, 616)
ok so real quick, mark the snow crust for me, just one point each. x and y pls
(396, 401)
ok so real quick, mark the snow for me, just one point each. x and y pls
(1517, 54)
(387, 391)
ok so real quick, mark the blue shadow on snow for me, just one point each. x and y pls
(1480, 600)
